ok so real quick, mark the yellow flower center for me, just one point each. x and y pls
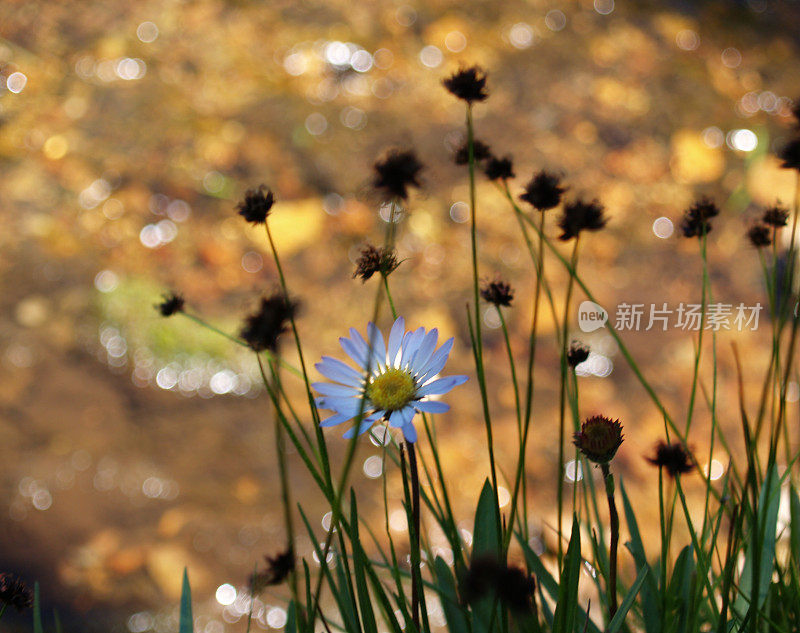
(392, 390)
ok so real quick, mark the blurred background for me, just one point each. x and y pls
(134, 445)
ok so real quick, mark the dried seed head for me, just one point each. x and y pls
(262, 329)
(256, 205)
(277, 570)
(673, 458)
(375, 260)
(171, 304)
(499, 168)
(468, 84)
(480, 152)
(488, 577)
(577, 353)
(497, 292)
(599, 438)
(760, 235)
(581, 216)
(696, 218)
(776, 216)
(790, 154)
(395, 172)
(14, 592)
(544, 191)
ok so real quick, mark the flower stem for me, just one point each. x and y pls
(563, 396)
(416, 577)
(612, 552)
(283, 472)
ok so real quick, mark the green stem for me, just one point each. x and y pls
(612, 553)
(563, 396)
(416, 579)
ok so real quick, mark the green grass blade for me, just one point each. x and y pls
(486, 534)
(186, 622)
(359, 561)
(37, 610)
(794, 536)
(548, 583)
(457, 621)
(57, 621)
(567, 605)
(768, 504)
(651, 605)
(619, 618)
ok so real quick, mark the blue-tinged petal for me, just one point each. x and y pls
(410, 433)
(408, 414)
(442, 385)
(425, 350)
(396, 419)
(437, 361)
(342, 404)
(411, 345)
(336, 370)
(365, 425)
(335, 419)
(330, 389)
(431, 406)
(377, 345)
(355, 351)
(395, 339)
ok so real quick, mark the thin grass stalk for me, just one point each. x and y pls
(475, 332)
(336, 509)
(699, 350)
(416, 577)
(563, 397)
(283, 474)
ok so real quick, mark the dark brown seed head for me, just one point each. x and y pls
(14, 592)
(468, 84)
(262, 329)
(171, 304)
(499, 168)
(673, 458)
(599, 438)
(276, 571)
(696, 218)
(544, 191)
(581, 216)
(375, 260)
(488, 577)
(395, 172)
(256, 205)
(577, 353)
(497, 292)
(776, 216)
(760, 235)
(480, 152)
(790, 154)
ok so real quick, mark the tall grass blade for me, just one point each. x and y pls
(567, 605)
(185, 621)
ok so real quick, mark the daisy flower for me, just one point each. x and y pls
(394, 379)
